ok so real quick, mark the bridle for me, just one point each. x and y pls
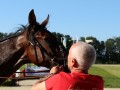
(34, 42)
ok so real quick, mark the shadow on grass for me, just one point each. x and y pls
(9, 83)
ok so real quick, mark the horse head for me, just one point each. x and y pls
(35, 44)
(42, 48)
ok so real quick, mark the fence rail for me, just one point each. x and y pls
(27, 77)
(18, 78)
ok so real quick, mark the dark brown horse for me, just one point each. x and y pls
(35, 44)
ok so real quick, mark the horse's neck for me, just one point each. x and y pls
(7, 48)
(8, 67)
(10, 54)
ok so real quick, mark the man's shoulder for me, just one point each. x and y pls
(63, 74)
(91, 77)
(58, 77)
(96, 78)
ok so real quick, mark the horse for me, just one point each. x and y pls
(33, 44)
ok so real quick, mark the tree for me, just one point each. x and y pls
(58, 35)
(69, 41)
(99, 47)
(113, 49)
(82, 39)
(1, 35)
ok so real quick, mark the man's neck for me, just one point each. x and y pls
(79, 70)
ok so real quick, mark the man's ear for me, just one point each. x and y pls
(74, 63)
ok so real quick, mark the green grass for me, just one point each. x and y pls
(110, 74)
(7, 83)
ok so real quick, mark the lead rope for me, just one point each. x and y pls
(36, 55)
(34, 46)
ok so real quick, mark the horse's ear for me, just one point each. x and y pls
(32, 18)
(44, 23)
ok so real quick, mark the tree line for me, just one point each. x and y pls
(108, 52)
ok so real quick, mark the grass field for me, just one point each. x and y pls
(110, 74)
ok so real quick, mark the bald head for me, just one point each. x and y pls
(84, 54)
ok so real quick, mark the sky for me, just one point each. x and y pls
(77, 18)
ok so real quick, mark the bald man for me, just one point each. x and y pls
(80, 58)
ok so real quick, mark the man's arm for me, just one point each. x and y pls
(53, 71)
(44, 79)
(40, 85)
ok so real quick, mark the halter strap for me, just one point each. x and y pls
(35, 43)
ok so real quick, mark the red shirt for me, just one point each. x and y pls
(74, 81)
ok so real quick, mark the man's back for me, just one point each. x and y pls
(74, 81)
(80, 59)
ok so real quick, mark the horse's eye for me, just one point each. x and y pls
(47, 38)
(44, 37)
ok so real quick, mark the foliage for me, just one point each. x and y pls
(8, 82)
(60, 37)
(113, 50)
(2, 35)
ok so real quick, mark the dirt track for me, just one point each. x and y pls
(26, 85)
(23, 85)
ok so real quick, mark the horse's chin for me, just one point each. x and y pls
(58, 62)
(47, 62)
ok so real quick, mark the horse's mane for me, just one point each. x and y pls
(18, 32)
